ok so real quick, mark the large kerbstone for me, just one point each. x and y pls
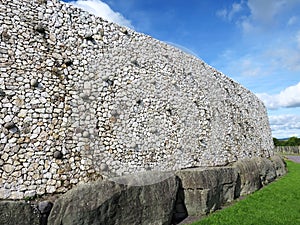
(206, 189)
(109, 202)
(18, 213)
(267, 170)
(249, 173)
(148, 198)
(279, 165)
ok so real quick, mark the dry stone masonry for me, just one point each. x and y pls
(82, 98)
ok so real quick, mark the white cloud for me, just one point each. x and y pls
(287, 53)
(293, 20)
(288, 98)
(260, 15)
(229, 14)
(298, 39)
(284, 126)
(103, 10)
(222, 13)
(266, 10)
(273, 61)
(285, 57)
(246, 25)
(267, 57)
(249, 67)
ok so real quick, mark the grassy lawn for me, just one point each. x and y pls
(277, 203)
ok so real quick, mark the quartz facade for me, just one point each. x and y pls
(82, 98)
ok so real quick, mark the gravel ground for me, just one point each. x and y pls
(294, 158)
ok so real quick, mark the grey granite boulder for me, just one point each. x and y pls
(267, 170)
(279, 165)
(206, 189)
(150, 197)
(111, 203)
(249, 173)
(18, 213)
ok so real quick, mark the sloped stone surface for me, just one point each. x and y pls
(108, 203)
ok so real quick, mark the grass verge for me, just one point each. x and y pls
(277, 203)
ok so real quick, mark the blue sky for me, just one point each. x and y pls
(255, 42)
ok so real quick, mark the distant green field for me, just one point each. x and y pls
(277, 203)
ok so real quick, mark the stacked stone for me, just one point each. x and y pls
(82, 98)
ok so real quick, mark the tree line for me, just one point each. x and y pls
(292, 141)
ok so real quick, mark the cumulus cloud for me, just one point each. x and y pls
(257, 15)
(286, 125)
(268, 13)
(103, 10)
(274, 61)
(266, 10)
(288, 98)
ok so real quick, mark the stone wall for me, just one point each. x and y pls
(82, 98)
(287, 149)
(188, 192)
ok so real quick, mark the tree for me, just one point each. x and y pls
(293, 141)
(276, 142)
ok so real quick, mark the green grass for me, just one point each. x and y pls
(277, 203)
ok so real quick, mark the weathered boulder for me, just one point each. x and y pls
(206, 189)
(151, 197)
(18, 213)
(266, 169)
(249, 176)
(279, 165)
(108, 202)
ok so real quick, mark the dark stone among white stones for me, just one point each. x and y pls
(58, 155)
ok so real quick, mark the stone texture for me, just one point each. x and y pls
(18, 213)
(151, 197)
(45, 208)
(249, 173)
(287, 150)
(279, 165)
(256, 172)
(58, 155)
(107, 202)
(267, 170)
(112, 100)
(206, 189)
